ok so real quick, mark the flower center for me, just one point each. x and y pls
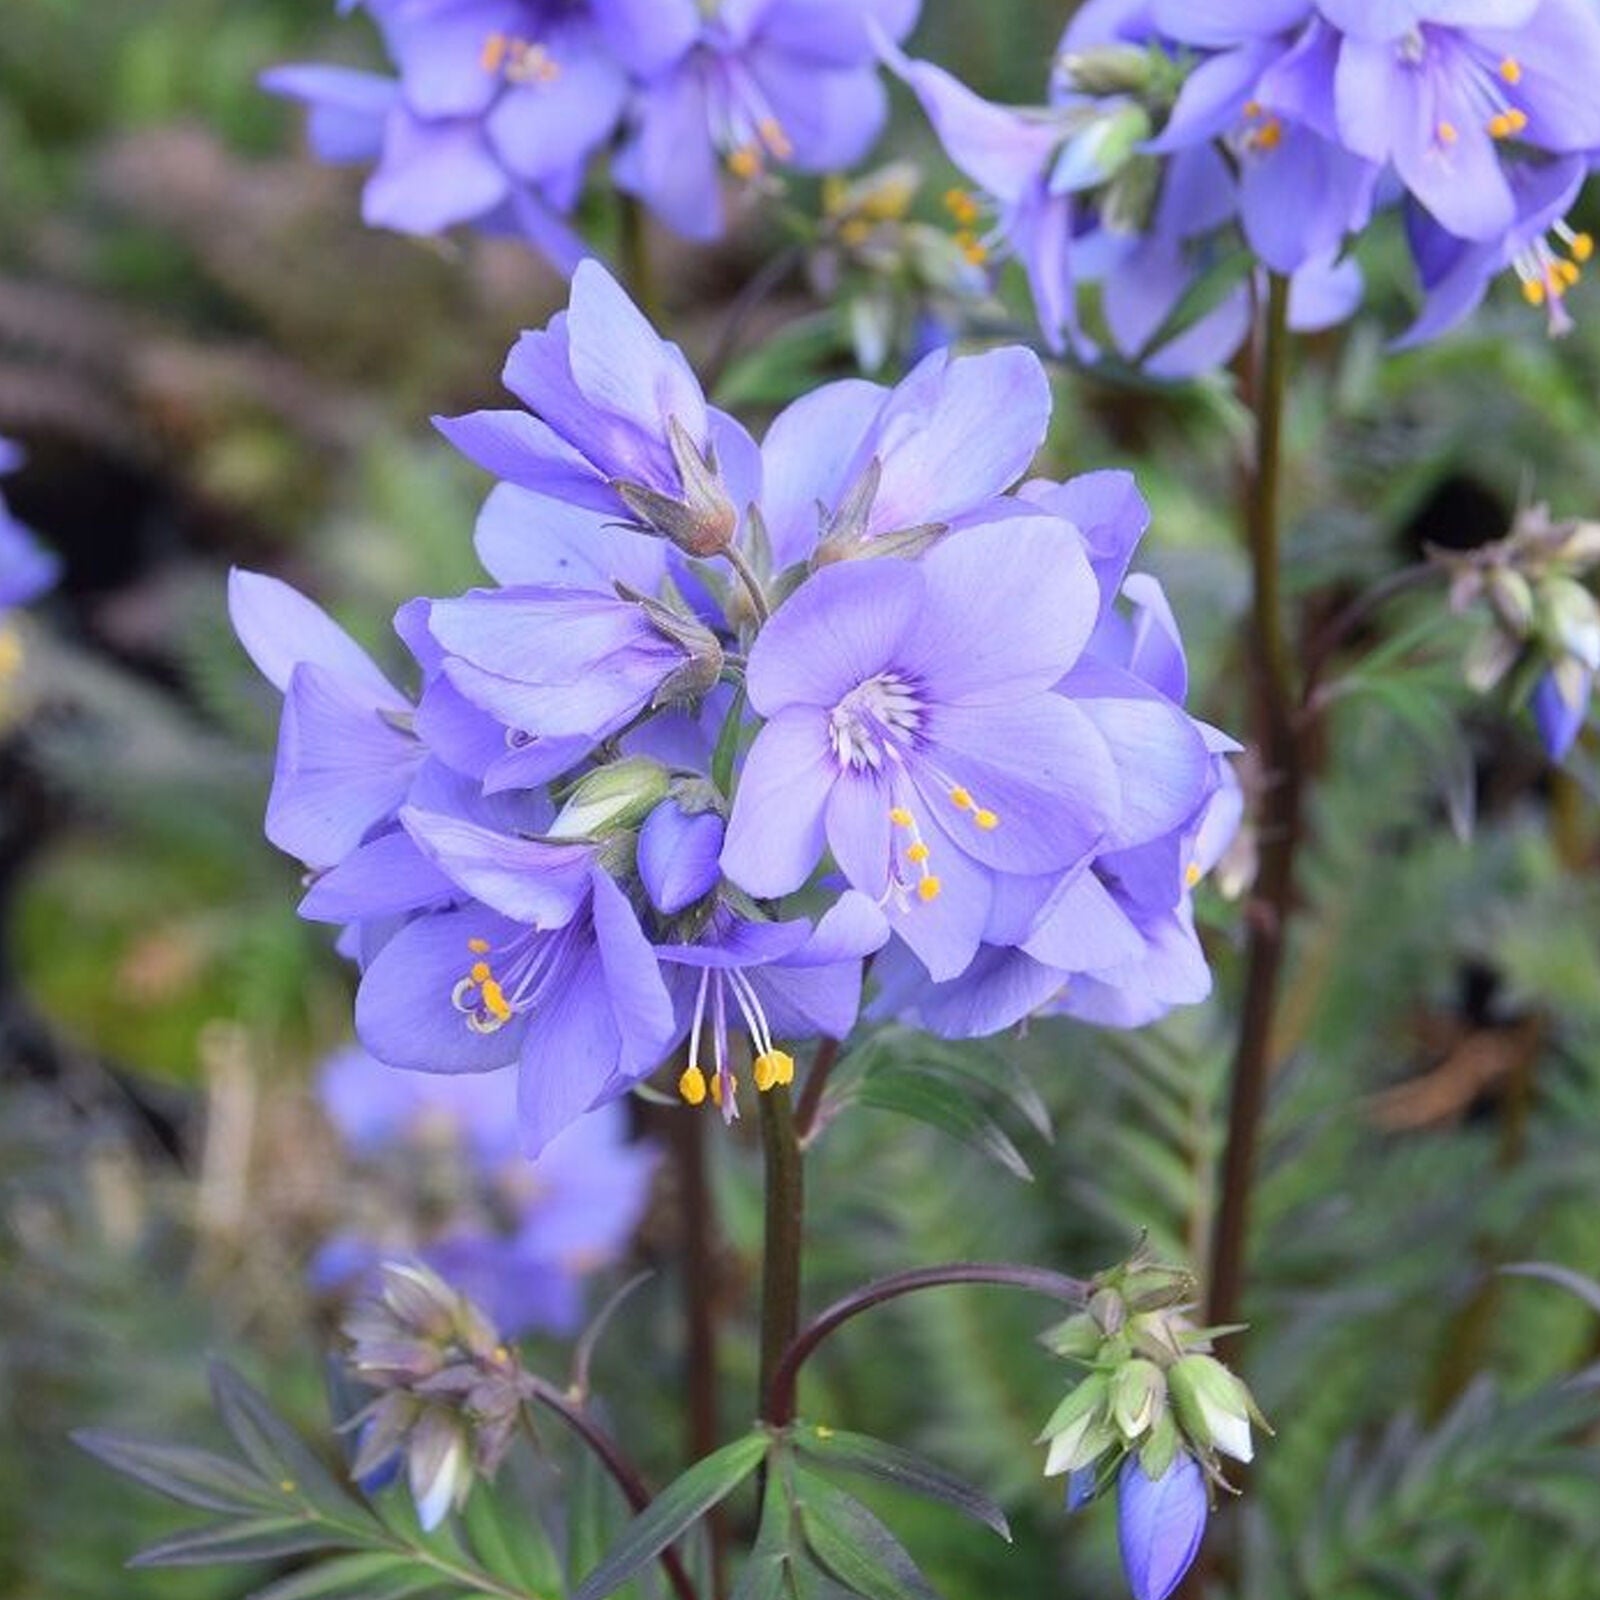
(770, 1065)
(872, 722)
(501, 984)
(1549, 266)
(518, 60)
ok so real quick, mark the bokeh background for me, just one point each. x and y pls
(210, 362)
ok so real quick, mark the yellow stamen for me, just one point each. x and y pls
(1191, 875)
(928, 889)
(1582, 246)
(1517, 118)
(479, 947)
(1447, 133)
(1511, 70)
(481, 972)
(1568, 272)
(1500, 125)
(960, 798)
(986, 819)
(900, 817)
(774, 138)
(692, 1085)
(1252, 109)
(917, 853)
(716, 1088)
(745, 162)
(1269, 135)
(771, 1068)
(1533, 292)
(975, 250)
(494, 52)
(495, 1000)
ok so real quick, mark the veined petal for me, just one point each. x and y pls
(775, 835)
(571, 1051)
(540, 885)
(385, 877)
(634, 989)
(279, 628)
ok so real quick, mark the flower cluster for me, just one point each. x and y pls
(1153, 1415)
(449, 1393)
(1177, 133)
(847, 665)
(498, 106)
(1544, 624)
(26, 568)
(437, 1176)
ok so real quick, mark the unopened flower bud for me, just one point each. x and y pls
(703, 521)
(1510, 596)
(1106, 69)
(1138, 1397)
(1076, 1339)
(679, 854)
(618, 795)
(1079, 1430)
(1489, 656)
(1109, 1310)
(1570, 620)
(1213, 1406)
(1100, 150)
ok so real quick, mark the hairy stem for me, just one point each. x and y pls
(780, 1265)
(1277, 704)
(610, 1455)
(783, 1389)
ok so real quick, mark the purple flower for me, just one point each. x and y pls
(745, 83)
(346, 757)
(770, 980)
(1560, 703)
(542, 962)
(678, 855)
(1160, 1523)
(619, 424)
(497, 108)
(912, 729)
(27, 569)
(438, 1166)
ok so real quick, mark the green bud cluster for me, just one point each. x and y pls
(1151, 1385)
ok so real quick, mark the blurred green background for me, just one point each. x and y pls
(210, 362)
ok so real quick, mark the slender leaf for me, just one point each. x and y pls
(512, 1547)
(856, 1452)
(249, 1539)
(371, 1575)
(674, 1511)
(854, 1546)
(943, 1106)
(190, 1476)
(1586, 1289)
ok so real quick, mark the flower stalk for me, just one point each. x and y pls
(785, 1221)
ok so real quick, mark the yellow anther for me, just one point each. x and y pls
(1191, 875)
(986, 819)
(1582, 246)
(479, 947)
(928, 889)
(900, 817)
(1500, 125)
(1517, 118)
(745, 162)
(692, 1085)
(1269, 135)
(975, 250)
(1533, 292)
(1447, 133)
(772, 1068)
(1568, 272)
(917, 853)
(494, 1000)
(961, 205)
(1252, 109)
(493, 55)
(774, 138)
(481, 972)
(960, 798)
(716, 1087)
(1511, 70)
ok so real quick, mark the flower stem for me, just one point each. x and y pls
(750, 582)
(783, 1389)
(623, 1472)
(810, 1102)
(1281, 819)
(780, 1265)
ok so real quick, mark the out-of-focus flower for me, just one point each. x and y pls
(27, 569)
(439, 1176)
(449, 1391)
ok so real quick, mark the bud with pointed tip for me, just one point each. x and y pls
(1138, 1397)
(618, 795)
(701, 522)
(1107, 69)
(679, 855)
(1214, 1407)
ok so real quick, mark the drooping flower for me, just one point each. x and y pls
(744, 85)
(1160, 1524)
(439, 1176)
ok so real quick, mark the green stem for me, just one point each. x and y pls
(1274, 682)
(633, 246)
(783, 1391)
(785, 1211)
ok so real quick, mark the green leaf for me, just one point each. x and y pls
(248, 1539)
(276, 1451)
(941, 1105)
(856, 1452)
(190, 1476)
(674, 1511)
(511, 1547)
(372, 1575)
(854, 1546)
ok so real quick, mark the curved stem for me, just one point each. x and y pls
(623, 1472)
(785, 1214)
(737, 559)
(783, 1390)
(1280, 822)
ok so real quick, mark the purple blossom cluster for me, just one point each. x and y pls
(1184, 143)
(437, 1175)
(498, 107)
(733, 717)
